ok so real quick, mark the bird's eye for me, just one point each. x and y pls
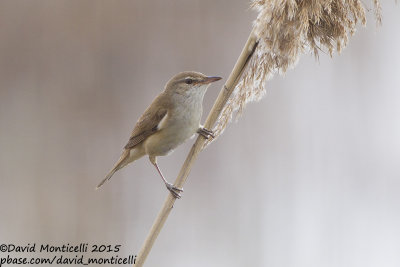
(188, 81)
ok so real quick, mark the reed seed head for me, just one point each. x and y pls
(285, 29)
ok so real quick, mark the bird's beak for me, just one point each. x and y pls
(210, 79)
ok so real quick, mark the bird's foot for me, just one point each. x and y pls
(175, 191)
(205, 133)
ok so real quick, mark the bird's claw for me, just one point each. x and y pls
(206, 133)
(175, 191)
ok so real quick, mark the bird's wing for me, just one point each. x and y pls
(147, 125)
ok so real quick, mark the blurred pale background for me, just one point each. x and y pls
(309, 176)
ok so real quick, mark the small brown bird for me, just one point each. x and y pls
(173, 117)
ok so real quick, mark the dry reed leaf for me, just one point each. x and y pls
(285, 30)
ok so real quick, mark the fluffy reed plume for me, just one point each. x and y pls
(285, 29)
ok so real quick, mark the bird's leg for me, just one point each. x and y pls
(205, 132)
(175, 191)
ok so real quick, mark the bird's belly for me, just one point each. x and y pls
(167, 139)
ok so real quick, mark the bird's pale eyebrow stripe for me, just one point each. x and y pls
(184, 79)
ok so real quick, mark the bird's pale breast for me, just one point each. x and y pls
(179, 125)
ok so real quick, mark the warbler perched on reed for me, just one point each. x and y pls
(173, 117)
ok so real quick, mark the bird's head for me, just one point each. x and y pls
(190, 83)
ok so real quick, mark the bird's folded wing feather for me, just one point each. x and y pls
(147, 125)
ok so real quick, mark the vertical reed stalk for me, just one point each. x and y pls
(215, 112)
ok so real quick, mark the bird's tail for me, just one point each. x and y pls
(122, 162)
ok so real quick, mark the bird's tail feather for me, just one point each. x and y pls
(122, 162)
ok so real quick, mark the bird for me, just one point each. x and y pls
(172, 118)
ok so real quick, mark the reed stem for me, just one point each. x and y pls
(219, 103)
